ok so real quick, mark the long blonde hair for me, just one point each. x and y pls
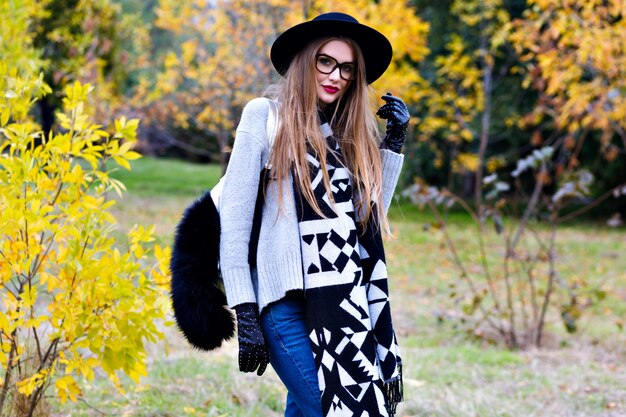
(354, 127)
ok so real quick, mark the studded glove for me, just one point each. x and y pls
(253, 353)
(397, 115)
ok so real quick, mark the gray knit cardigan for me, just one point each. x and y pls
(279, 262)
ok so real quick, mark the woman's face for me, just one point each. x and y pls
(333, 85)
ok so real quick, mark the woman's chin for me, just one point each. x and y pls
(325, 99)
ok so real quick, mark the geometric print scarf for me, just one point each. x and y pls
(347, 304)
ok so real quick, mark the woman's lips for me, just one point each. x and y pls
(330, 89)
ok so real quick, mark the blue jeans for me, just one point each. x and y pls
(291, 356)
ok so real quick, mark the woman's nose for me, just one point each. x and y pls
(335, 75)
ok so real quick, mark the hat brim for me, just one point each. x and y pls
(375, 47)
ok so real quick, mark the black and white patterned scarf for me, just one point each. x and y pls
(347, 304)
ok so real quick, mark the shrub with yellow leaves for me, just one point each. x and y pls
(71, 299)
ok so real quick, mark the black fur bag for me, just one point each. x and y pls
(197, 293)
(197, 289)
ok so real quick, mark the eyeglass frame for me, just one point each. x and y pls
(337, 65)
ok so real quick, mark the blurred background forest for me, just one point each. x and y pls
(508, 259)
(487, 82)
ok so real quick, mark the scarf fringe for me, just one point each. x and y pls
(394, 392)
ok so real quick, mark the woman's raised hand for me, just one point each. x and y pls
(397, 115)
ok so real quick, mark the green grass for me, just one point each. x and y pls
(446, 374)
(150, 177)
(157, 192)
(188, 386)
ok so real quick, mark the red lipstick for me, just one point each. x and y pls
(330, 89)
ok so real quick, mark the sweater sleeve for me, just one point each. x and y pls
(237, 202)
(391, 166)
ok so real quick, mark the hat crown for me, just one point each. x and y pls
(341, 17)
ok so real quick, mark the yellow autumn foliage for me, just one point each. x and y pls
(466, 162)
(71, 297)
(573, 53)
(456, 102)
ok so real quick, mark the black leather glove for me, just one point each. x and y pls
(253, 353)
(397, 115)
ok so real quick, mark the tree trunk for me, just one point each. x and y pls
(485, 125)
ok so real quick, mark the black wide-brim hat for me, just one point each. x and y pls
(376, 48)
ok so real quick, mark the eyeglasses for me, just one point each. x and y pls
(327, 64)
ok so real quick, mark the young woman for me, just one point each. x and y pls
(316, 304)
